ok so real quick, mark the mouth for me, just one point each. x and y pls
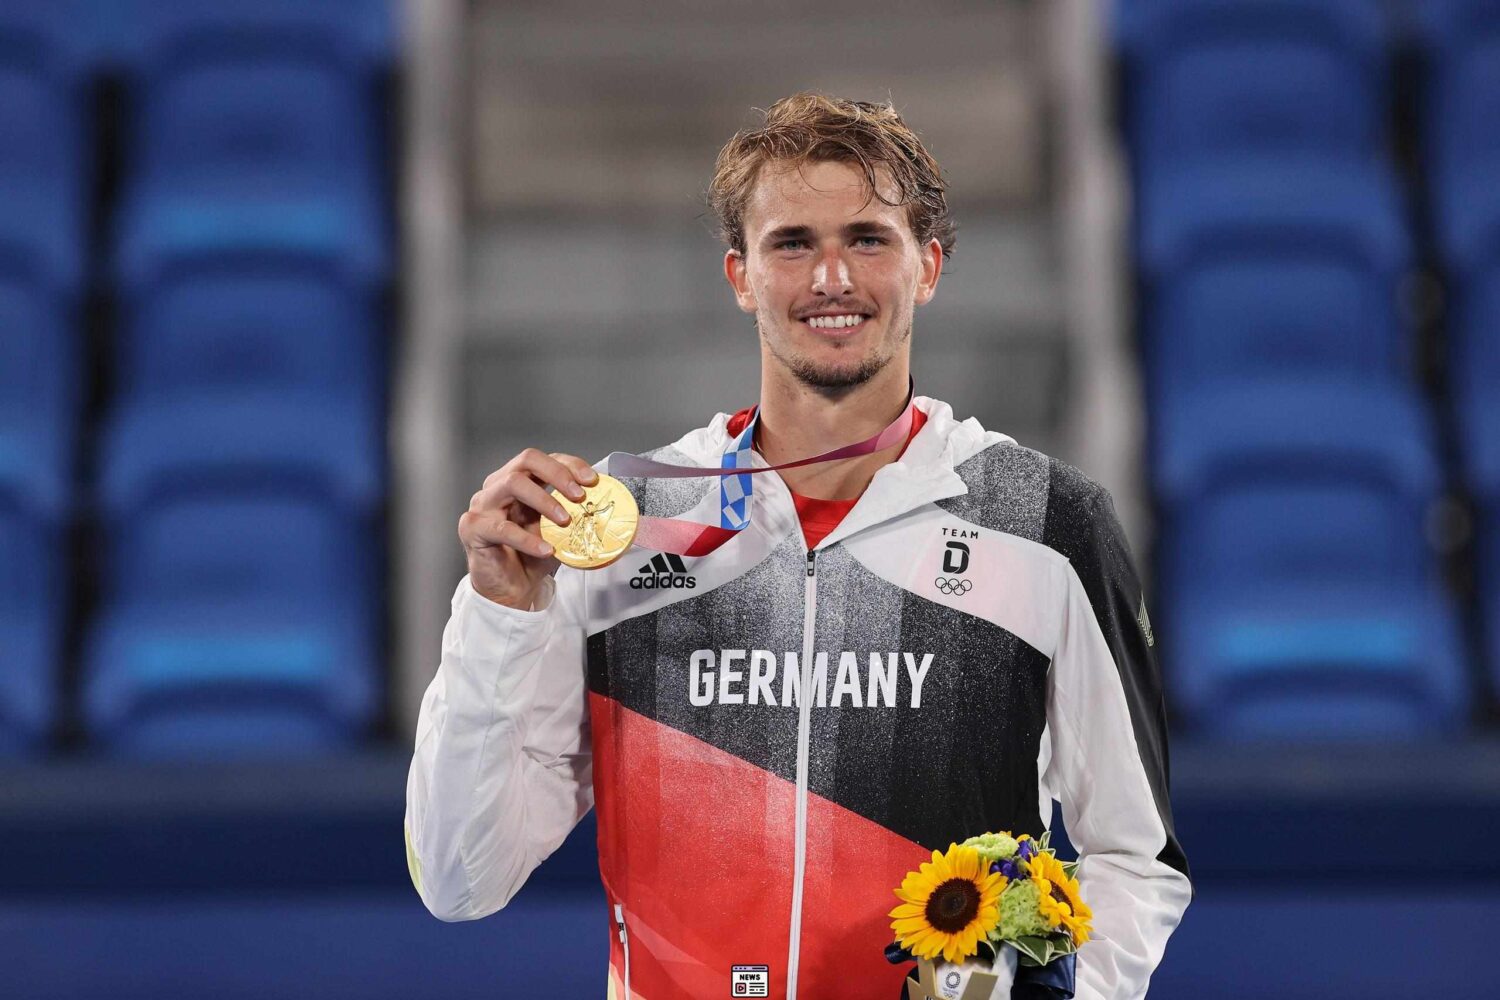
(838, 325)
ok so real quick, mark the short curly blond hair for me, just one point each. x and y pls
(808, 127)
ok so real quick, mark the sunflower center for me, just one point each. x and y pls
(952, 905)
(1061, 897)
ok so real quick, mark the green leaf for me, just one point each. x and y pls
(1059, 946)
(1032, 947)
(1038, 950)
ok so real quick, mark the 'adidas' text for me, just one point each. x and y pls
(664, 571)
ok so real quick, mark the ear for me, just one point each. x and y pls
(734, 273)
(931, 270)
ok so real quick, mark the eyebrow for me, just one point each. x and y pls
(852, 229)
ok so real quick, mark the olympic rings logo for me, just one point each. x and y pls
(953, 585)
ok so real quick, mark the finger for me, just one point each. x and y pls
(552, 472)
(530, 493)
(582, 471)
(491, 499)
(517, 488)
(518, 538)
(489, 532)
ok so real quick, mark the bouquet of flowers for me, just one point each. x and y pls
(990, 906)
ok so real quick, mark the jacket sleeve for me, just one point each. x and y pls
(1109, 759)
(502, 768)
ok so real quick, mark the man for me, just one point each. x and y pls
(899, 650)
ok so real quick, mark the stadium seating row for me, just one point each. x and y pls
(1295, 456)
(236, 476)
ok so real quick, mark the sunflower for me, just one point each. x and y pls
(1061, 902)
(948, 906)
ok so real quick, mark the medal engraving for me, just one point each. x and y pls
(600, 529)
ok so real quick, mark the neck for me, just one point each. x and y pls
(798, 421)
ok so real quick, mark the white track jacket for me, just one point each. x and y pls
(773, 737)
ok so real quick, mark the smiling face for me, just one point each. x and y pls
(831, 275)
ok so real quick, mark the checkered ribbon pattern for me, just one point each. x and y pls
(736, 487)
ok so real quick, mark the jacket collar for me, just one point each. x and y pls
(925, 472)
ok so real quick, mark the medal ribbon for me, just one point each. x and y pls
(692, 538)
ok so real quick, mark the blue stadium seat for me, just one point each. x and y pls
(1474, 363)
(1461, 101)
(247, 442)
(31, 610)
(1366, 437)
(230, 322)
(1306, 663)
(160, 229)
(242, 462)
(1459, 110)
(46, 49)
(1221, 78)
(241, 581)
(1488, 551)
(1270, 268)
(46, 60)
(40, 397)
(40, 400)
(1474, 338)
(363, 32)
(229, 678)
(255, 120)
(1297, 567)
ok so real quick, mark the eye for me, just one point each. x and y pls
(784, 244)
(873, 239)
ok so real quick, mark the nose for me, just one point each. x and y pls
(831, 276)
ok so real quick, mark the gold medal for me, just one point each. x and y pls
(600, 527)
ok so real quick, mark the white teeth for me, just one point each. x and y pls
(834, 322)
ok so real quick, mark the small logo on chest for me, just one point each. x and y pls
(664, 571)
(955, 562)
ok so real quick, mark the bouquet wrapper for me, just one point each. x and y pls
(1053, 981)
(973, 979)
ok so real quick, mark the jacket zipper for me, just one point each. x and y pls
(804, 728)
(624, 945)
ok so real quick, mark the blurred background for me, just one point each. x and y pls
(282, 280)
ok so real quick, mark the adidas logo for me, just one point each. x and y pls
(662, 572)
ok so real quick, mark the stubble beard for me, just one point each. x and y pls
(834, 380)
